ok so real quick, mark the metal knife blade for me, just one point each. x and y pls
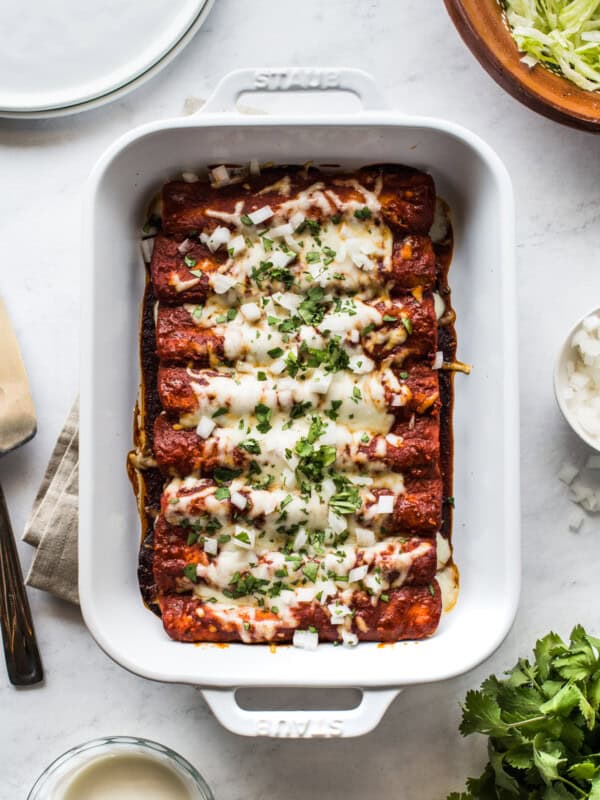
(17, 412)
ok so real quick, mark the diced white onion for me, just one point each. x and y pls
(361, 365)
(297, 219)
(320, 382)
(278, 366)
(568, 473)
(354, 336)
(337, 523)
(305, 594)
(147, 249)
(300, 539)
(364, 537)
(239, 500)
(218, 237)
(280, 259)
(260, 215)
(363, 480)
(438, 305)
(395, 441)
(438, 360)
(280, 230)
(221, 283)
(239, 530)
(205, 427)
(186, 246)
(328, 488)
(349, 639)
(287, 300)
(250, 311)
(576, 520)
(358, 573)
(237, 245)
(254, 167)
(397, 400)
(292, 244)
(531, 61)
(305, 640)
(220, 175)
(211, 547)
(385, 504)
(190, 177)
(338, 612)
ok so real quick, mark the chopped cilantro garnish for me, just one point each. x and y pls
(189, 572)
(356, 394)
(276, 352)
(336, 219)
(192, 538)
(362, 213)
(225, 474)
(404, 375)
(245, 220)
(368, 328)
(261, 376)
(385, 598)
(313, 257)
(263, 415)
(365, 438)
(197, 313)
(333, 411)
(220, 411)
(389, 318)
(222, 493)
(224, 538)
(299, 409)
(407, 322)
(189, 261)
(250, 446)
(243, 537)
(311, 571)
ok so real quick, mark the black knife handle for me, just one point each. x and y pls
(20, 647)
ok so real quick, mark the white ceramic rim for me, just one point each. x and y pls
(134, 83)
(377, 695)
(559, 377)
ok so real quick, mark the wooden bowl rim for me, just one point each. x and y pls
(487, 50)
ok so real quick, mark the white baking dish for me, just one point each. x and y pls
(486, 530)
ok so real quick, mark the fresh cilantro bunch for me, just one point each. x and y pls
(543, 725)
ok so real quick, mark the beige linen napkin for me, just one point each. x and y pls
(52, 527)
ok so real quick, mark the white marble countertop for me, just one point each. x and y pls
(416, 56)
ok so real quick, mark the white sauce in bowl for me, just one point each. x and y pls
(123, 777)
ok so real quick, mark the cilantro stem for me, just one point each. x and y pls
(526, 721)
(573, 786)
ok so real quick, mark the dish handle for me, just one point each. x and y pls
(301, 724)
(294, 79)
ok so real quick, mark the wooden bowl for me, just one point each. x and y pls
(482, 25)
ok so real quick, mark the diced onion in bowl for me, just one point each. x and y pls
(261, 215)
(305, 640)
(438, 360)
(254, 167)
(190, 177)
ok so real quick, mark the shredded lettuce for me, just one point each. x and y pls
(563, 35)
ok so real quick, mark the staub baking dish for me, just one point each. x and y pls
(486, 528)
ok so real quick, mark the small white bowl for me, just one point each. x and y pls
(561, 382)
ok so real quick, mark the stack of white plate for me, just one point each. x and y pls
(68, 55)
